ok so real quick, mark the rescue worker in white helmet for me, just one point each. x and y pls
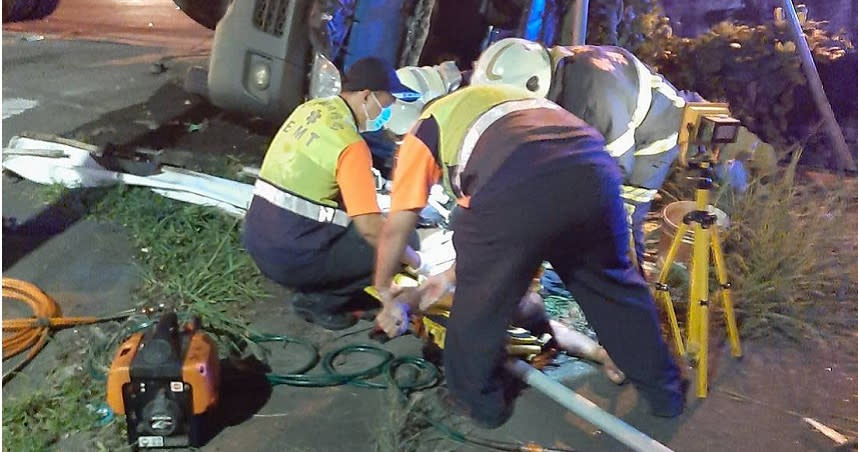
(636, 110)
(508, 159)
(433, 82)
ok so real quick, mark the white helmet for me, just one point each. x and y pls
(515, 61)
(430, 82)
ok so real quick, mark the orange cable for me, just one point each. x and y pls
(32, 333)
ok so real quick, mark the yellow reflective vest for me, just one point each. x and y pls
(302, 158)
(462, 117)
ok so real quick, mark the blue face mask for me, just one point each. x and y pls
(375, 124)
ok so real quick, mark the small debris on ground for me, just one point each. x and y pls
(157, 68)
(199, 127)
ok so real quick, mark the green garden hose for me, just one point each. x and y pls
(386, 369)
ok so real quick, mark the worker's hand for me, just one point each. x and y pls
(387, 294)
(435, 288)
(393, 319)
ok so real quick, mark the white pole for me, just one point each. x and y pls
(584, 408)
(815, 84)
(579, 32)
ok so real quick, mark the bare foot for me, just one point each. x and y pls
(609, 368)
(578, 344)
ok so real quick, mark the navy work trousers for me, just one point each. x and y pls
(573, 217)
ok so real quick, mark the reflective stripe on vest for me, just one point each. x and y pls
(659, 146)
(647, 82)
(637, 194)
(656, 82)
(456, 113)
(626, 141)
(300, 206)
(484, 121)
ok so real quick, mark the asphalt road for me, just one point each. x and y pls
(140, 22)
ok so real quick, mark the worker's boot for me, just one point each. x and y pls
(324, 310)
(485, 420)
(671, 404)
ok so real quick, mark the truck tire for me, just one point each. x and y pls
(17, 10)
(43, 8)
(21, 10)
(8, 5)
(204, 12)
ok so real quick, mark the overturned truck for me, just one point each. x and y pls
(268, 56)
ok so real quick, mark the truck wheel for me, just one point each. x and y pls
(16, 10)
(43, 8)
(204, 12)
(20, 10)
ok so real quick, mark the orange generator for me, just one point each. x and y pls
(165, 379)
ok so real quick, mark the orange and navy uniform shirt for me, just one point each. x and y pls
(516, 147)
(356, 181)
(417, 168)
(295, 240)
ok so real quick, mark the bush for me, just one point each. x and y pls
(754, 68)
(791, 257)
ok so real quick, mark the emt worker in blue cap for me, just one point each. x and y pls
(314, 220)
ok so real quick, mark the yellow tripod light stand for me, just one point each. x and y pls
(705, 126)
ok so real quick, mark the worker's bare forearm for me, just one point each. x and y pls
(370, 225)
(391, 246)
(450, 274)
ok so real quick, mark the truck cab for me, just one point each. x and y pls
(269, 56)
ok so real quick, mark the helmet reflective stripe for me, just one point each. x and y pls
(515, 61)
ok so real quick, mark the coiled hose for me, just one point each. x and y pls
(32, 333)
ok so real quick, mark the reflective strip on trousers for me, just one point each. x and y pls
(637, 194)
(485, 121)
(300, 206)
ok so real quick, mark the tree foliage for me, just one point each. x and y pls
(754, 68)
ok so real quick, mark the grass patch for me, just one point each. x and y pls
(405, 426)
(48, 194)
(789, 251)
(59, 413)
(191, 260)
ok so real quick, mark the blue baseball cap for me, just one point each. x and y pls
(375, 74)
